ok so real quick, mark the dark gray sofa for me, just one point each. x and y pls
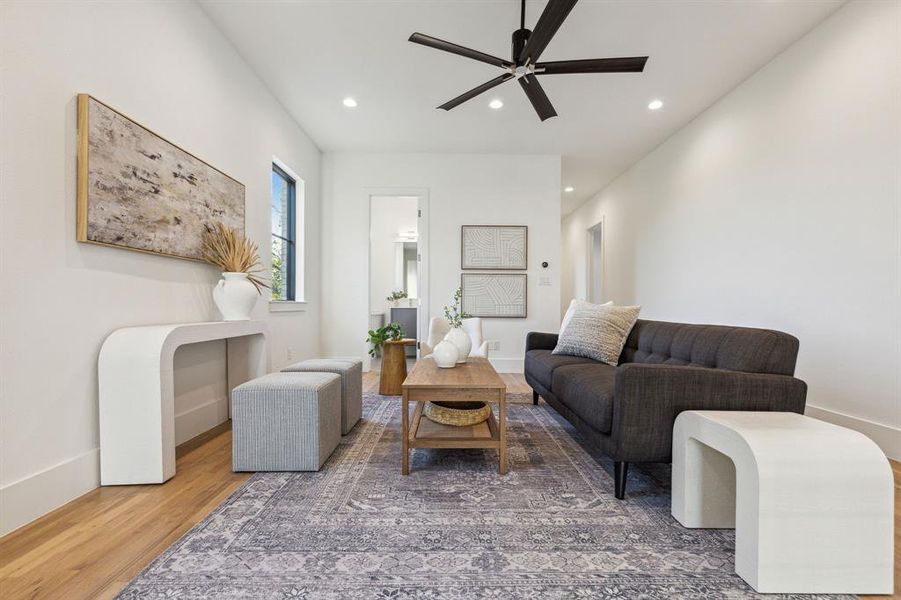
(628, 411)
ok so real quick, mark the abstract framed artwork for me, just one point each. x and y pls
(495, 295)
(499, 247)
(137, 191)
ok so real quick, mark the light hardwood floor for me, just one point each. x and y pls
(93, 546)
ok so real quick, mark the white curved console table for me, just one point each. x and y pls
(137, 392)
(811, 503)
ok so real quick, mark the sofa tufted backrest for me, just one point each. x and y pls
(714, 346)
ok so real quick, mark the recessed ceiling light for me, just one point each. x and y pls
(349, 102)
(569, 188)
(496, 103)
(655, 104)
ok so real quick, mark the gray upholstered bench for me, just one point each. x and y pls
(286, 422)
(351, 372)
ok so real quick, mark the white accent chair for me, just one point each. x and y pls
(438, 328)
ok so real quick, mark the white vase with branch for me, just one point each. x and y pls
(457, 336)
(237, 257)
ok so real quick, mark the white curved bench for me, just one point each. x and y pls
(811, 502)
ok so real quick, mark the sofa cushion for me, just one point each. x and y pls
(573, 305)
(597, 331)
(541, 364)
(587, 390)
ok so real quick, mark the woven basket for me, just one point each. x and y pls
(458, 414)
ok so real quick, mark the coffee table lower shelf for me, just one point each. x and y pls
(425, 433)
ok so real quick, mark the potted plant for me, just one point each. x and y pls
(377, 337)
(459, 338)
(396, 296)
(238, 260)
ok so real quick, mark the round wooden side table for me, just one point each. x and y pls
(394, 367)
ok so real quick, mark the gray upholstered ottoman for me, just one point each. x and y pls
(286, 422)
(351, 372)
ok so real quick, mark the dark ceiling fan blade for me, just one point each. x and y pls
(548, 23)
(537, 97)
(631, 64)
(476, 91)
(431, 42)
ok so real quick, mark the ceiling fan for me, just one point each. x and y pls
(527, 47)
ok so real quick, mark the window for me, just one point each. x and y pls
(284, 230)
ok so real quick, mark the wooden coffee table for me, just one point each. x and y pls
(474, 380)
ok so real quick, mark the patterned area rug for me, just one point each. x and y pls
(453, 529)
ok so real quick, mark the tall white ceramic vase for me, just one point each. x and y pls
(235, 296)
(462, 341)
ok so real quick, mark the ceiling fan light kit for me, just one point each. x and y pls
(526, 48)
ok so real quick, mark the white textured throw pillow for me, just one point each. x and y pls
(597, 331)
(572, 308)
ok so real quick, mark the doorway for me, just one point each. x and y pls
(595, 263)
(397, 279)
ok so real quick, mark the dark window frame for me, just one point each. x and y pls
(291, 240)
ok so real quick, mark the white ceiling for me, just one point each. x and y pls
(314, 53)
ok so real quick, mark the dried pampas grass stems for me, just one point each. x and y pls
(229, 250)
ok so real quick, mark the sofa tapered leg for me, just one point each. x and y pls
(534, 397)
(620, 472)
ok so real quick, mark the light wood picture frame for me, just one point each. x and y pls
(494, 247)
(136, 190)
(495, 295)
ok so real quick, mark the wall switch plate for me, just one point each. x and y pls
(544, 281)
(292, 354)
(494, 345)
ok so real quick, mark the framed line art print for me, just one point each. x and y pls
(494, 247)
(495, 295)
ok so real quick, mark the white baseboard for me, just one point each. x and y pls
(27, 499)
(195, 421)
(507, 365)
(888, 438)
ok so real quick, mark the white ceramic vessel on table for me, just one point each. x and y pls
(445, 355)
(462, 341)
(235, 296)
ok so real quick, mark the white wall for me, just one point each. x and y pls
(462, 190)
(779, 207)
(165, 65)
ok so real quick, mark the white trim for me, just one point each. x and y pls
(27, 499)
(191, 423)
(422, 248)
(507, 365)
(589, 260)
(277, 306)
(888, 438)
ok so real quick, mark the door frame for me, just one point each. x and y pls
(422, 250)
(590, 233)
